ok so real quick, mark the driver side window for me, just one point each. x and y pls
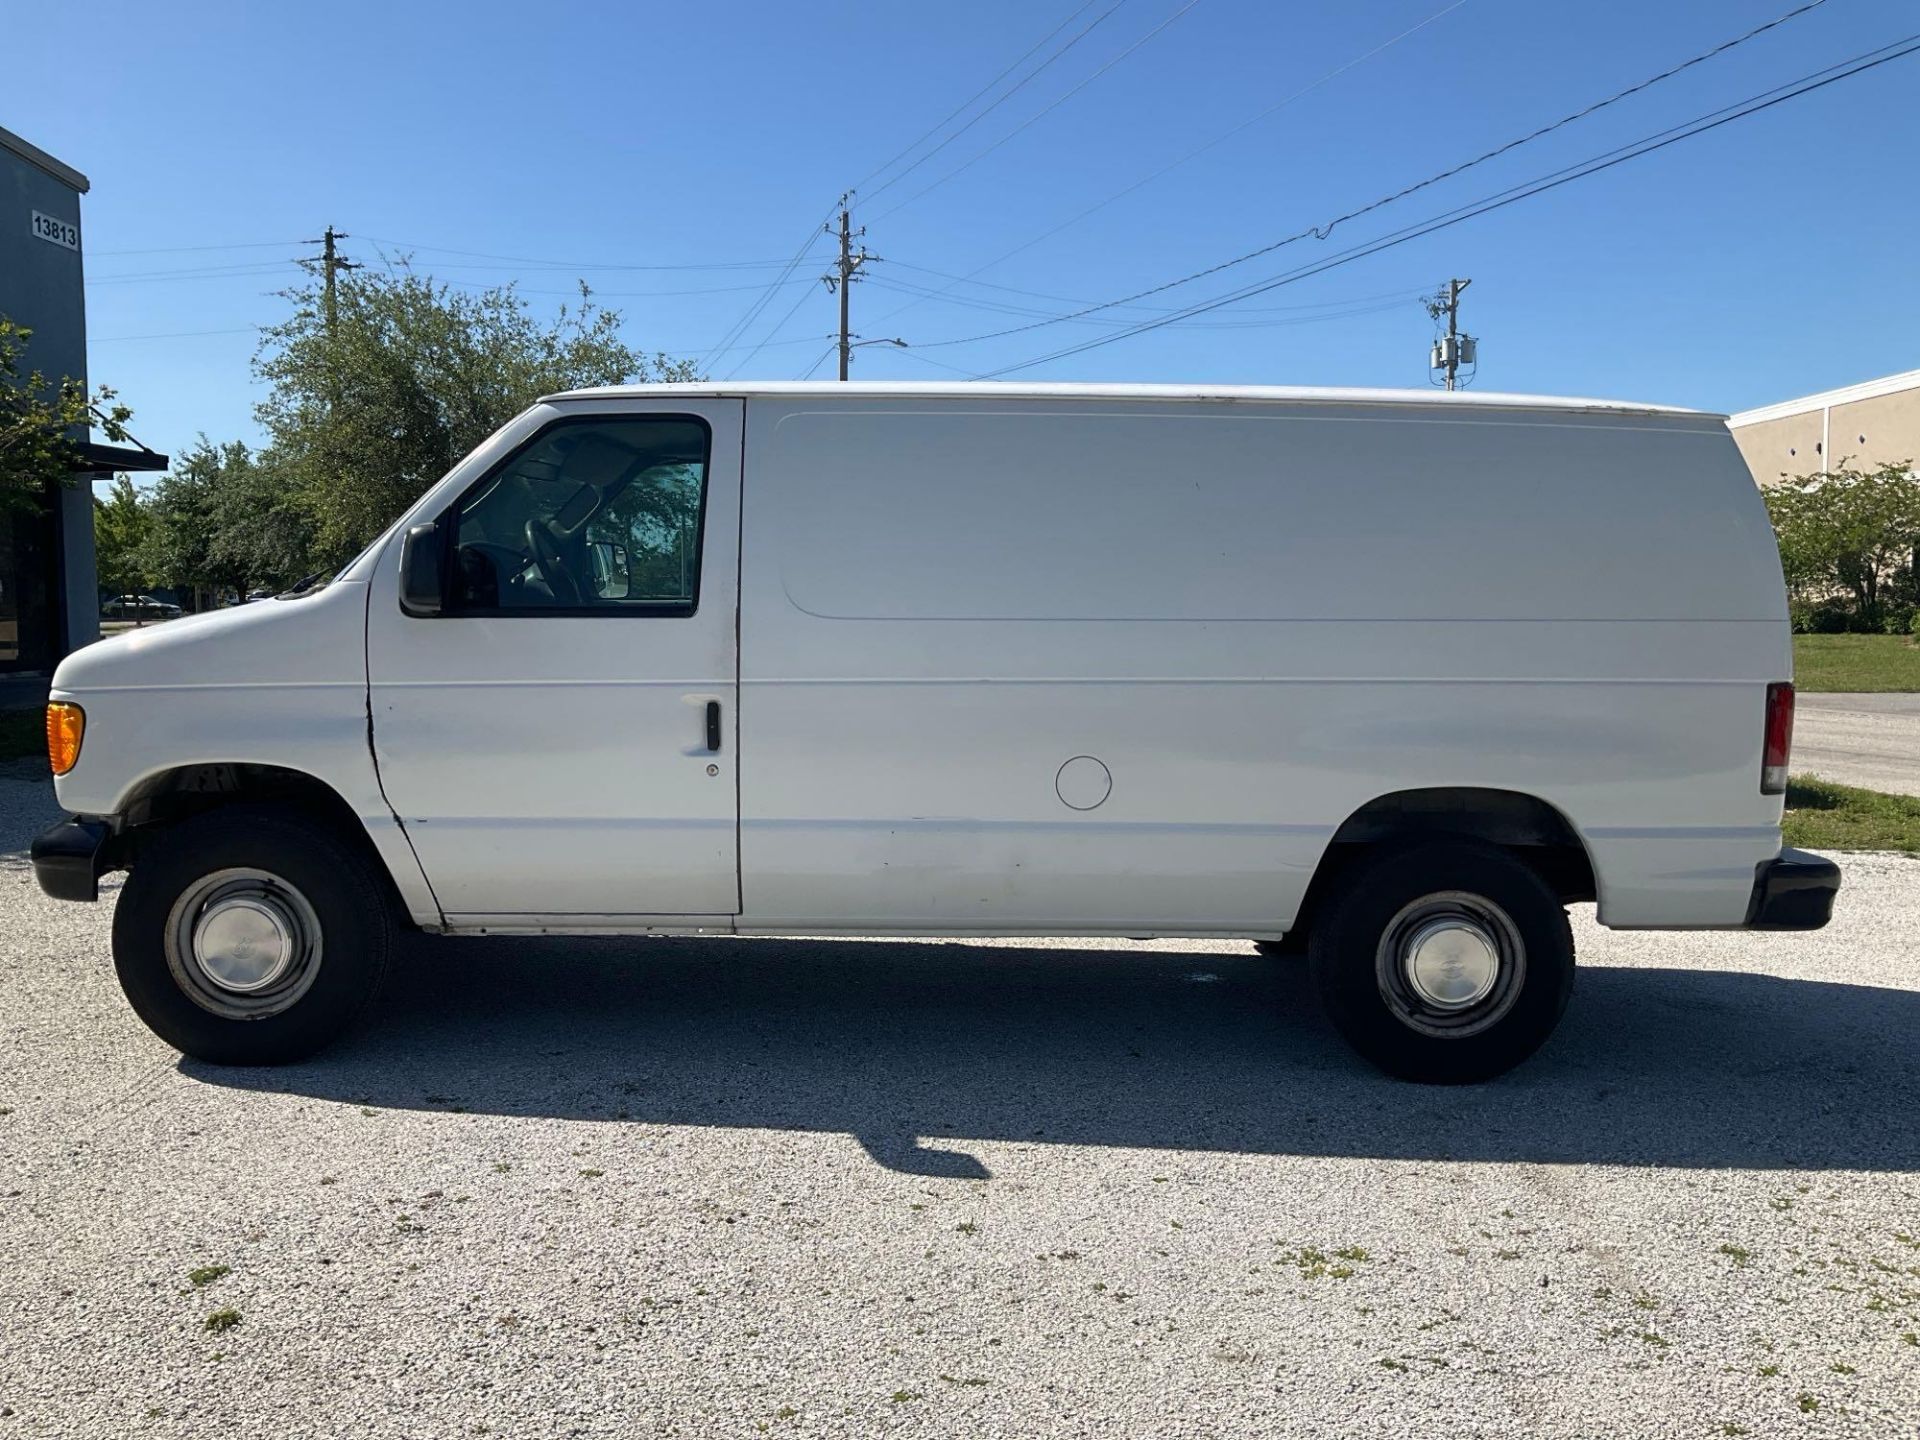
(598, 516)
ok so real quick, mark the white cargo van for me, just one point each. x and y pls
(1396, 676)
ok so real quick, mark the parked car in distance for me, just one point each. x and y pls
(139, 607)
(1394, 676)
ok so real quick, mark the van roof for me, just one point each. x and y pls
(1017, 390)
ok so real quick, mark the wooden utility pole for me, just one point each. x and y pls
(1454, 287)
(330, 262)
(842, 278)
(1456, 349)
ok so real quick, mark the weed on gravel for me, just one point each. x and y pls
(221, 1320)
(1315, 1264)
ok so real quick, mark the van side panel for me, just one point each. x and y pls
(1255, 618)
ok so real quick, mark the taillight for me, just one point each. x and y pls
(66, 726)
(1773, 755)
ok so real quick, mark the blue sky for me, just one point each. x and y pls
(1773, 257)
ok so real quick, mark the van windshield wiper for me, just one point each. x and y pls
(316, 581)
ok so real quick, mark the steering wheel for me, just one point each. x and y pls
(545, 549)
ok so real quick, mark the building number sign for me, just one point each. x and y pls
(56, 232)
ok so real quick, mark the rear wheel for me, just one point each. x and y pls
(248, 936)
(1446, 962)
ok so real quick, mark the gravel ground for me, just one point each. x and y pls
(1872, 741)
(717, 1188)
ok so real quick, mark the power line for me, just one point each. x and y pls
(911, 354)
(1395, 295)
(205, 272)
(1013, 90)
(1195, 153)
(753, 311)
(184, 249)
(764, 345)
(169, 335)
(1299, 315)
(965, 104)
(778, 326)
(598, 293)
(1032, 119)
(1321, 232)
(1713, 120)
(576, 264)
(818, 361)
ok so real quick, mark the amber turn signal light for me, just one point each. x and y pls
(66, 724)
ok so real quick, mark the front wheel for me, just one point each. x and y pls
(249, 936)
(1444, 961)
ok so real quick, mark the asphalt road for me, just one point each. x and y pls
(1872, 741)
(734, 1188)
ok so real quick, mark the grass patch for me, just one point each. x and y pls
(1855, 662)
(221, 1321)
(1824, 816)
(23, 734)
(206, 1275)
(1314, 1264)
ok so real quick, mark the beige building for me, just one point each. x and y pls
(1864, 425)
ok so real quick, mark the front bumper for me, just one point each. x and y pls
(68, 859)
(1793, 891)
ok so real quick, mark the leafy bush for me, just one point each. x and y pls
(1826, 617)
(1848, 542)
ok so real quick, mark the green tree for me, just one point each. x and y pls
(261, 530)
(374, 401)
(38, 420)
(1848, 533)
(188, 514)
(120, 527)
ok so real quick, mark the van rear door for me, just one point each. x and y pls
(559, 741)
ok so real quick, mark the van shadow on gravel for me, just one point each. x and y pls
(917, 1048)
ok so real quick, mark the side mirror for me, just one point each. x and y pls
(422, 589)
(612, 579)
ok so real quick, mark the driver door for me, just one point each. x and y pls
(560, 740)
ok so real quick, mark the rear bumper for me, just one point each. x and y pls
(69, 858)
(1793, 891)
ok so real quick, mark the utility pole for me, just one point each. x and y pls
(1454, 349)
(842, 278)
(330, 262)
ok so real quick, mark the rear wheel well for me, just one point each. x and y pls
(163, 800)
(1528, 828)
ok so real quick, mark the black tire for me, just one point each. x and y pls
(1358, 954)
(318, 879)
(1290, 946)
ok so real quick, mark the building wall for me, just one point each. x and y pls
(41, 287)
(1865, 430)
(1784, 447)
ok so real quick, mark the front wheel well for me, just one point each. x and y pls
(165, 799)
(1528, 828)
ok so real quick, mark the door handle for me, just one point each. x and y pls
(713, 725)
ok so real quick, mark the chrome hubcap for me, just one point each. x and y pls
(243, 943)
(1450, 964)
